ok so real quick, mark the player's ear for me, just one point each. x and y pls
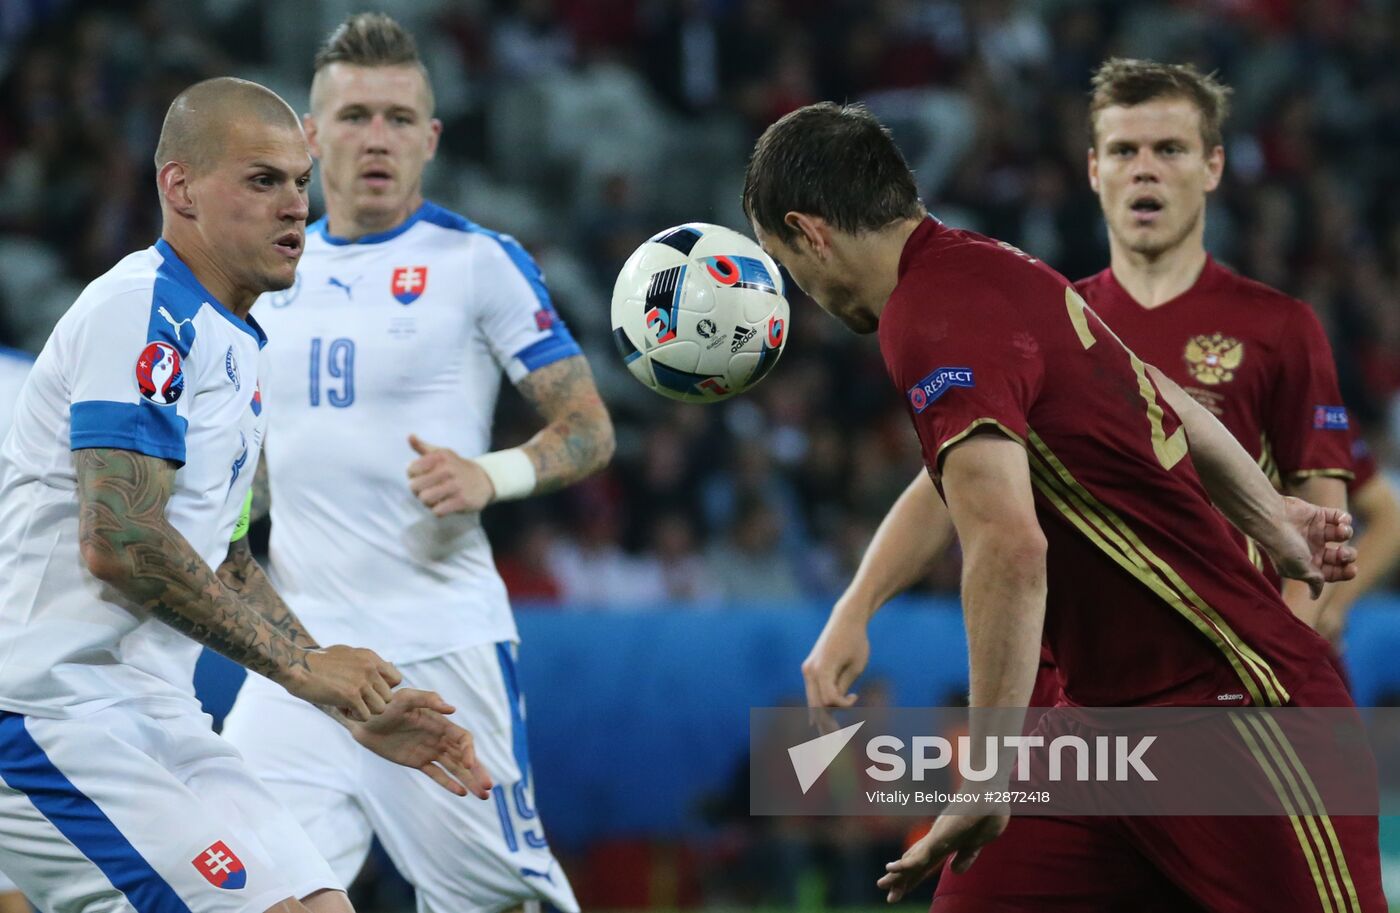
(1094, 169)
(434, 134)
(173, 180)
(810, 231)
(1215, 167)
(308, 124)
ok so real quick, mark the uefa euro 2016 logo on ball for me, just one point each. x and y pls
(698, 313)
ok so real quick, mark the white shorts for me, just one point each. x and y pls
(121, 811)
(460, 854)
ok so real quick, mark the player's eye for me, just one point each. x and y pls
(263, 180)
(353, 117)
(403, 120)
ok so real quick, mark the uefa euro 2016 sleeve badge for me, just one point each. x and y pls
(159, 375)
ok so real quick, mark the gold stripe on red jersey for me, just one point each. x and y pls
(972, 426)
(1316, 836)
(1127, 549)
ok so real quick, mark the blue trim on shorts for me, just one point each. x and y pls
(518, 743)
(24, 766)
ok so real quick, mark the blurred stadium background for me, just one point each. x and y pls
(662, 599)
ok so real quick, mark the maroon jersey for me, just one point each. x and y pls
(1253, 356)
(1144, 606)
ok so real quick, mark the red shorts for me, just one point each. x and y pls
(1308, 864)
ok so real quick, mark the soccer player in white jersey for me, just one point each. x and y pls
(396, 334)
(122, 482)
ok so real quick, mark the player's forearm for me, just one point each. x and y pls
(1003, 597)
(262, 491)
(1324, 492)
(128, 543)
(915, 532)
(242, 574)
(1234, 481)
(578, 439)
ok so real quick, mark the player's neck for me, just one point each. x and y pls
(1153, 280)
(879, 254)
(343, 220)
(211, 274)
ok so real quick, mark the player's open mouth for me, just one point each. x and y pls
(376, 177)
(289, 244)
(1145, 209)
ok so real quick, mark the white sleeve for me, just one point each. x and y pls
(517, 318)
(127, 370)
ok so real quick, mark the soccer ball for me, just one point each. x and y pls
(698, 313)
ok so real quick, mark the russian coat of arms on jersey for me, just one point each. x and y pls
(220, 867)
(1213, 359)
(159, 375)
(408, 283)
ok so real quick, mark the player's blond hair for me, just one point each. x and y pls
(1125, 82)
(370, 40)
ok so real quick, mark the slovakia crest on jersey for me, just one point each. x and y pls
(256, 402)
(159, 375)
(220, 867)
(408, 283)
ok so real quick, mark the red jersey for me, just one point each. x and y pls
(1253, 356)
(1144, 605)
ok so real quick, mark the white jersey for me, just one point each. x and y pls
(146, 360)
(14, 368)
(402, 332)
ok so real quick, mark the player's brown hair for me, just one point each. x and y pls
(370, 40)
(833, 161)
(1124, 82)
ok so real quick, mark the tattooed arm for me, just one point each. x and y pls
(242, 574)
(127, 542)
(262, 489)
(576, 442)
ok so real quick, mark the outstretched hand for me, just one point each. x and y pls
(959, 836)
(414, 731)
(1312, 545)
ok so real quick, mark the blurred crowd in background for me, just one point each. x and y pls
(585, 126)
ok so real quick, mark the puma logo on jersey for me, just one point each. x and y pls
(176, 324)
(349, 288)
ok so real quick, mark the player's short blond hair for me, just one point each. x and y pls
(1124, 82)
(370, 40)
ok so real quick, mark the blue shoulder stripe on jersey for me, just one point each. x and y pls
(547, 351)
(560, 342)
(143, 427)
(25, 767)
(181, 294)
(15, 355)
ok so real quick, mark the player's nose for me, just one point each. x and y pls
(296, 206)
(377, 136)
